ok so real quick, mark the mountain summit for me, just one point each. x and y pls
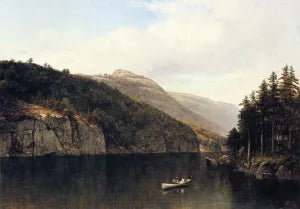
(146, 90)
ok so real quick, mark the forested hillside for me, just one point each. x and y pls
(146, 90)
(209, 141)
(127, 125)
(269, 120)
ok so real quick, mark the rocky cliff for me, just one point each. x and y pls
(47, 112)
(36, 131)
(146, 90)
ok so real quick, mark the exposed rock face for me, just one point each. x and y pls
(27, 136)
(146, 90)
(38, 131)
(222, 113)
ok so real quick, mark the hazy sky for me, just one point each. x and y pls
(220, 49)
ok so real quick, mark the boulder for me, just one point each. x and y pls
(264, 170)
(224, 160)
(210, 162)
(254, 167)
(283, 173)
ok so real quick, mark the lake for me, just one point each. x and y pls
(133, 181)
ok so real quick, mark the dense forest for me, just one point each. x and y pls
(124, 122)
(269, 119)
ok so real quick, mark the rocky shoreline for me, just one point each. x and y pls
(261, 168)
(271, 168)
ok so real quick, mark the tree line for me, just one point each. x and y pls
(269, 118)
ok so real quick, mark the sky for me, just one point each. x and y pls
(212, 48)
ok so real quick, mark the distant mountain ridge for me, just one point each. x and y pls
(222, 113)
(148, 91)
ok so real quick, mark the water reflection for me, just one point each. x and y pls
(132, 182)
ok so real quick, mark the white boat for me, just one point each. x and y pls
(183, 182)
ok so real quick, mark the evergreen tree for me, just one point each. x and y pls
(288, 93)
(269, 120)
(245, 123)
(262, 106)
(274, 106)
(233, 140)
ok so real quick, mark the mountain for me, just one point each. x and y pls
(47, 112)
(146, 90)
(222, 113)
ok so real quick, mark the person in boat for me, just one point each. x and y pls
(181, 180)
(178, 180)
(175, 181)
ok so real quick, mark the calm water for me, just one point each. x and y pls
(133, 182)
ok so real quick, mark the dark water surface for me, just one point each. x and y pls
(133, 181)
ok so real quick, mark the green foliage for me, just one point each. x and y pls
(269, 120)
(122, 120)
(233, 140)
(209, 140)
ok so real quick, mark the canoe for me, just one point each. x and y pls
(174, 185)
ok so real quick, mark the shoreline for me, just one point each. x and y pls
(263, 168)
(99, 155)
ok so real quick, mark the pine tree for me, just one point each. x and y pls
(245, 123)
(297, 131)
(233, 140)
(288, 93)
(254, 120)
(269, 120)
(274, 106)
(262, 106)
(293, 110)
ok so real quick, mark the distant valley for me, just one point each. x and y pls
(222, 113)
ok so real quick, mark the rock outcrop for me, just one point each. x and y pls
(30, 134)
(264, 170)
(284, 172)
(282, 169)
(223, 160)
(38, 131)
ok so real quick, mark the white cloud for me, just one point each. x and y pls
(213, 48)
